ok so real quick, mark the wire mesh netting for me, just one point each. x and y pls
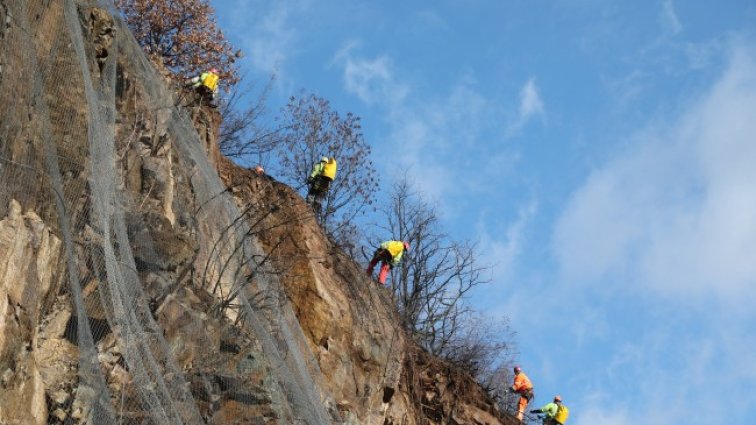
(82, 109)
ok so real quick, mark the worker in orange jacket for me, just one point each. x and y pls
(524, 388)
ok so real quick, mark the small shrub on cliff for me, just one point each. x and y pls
(183, 34)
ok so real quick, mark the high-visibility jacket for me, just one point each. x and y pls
(396, 249)
(522, 383)
(317, 170)
(550, 409)
(325, 169)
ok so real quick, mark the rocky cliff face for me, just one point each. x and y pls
(144, 278)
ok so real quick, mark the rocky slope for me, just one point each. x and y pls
(170, 300)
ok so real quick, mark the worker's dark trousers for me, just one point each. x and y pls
(318, 190)
(384, 256)
(207, 96)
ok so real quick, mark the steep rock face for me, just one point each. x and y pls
(29, 255)
(374, 372)
(187, 352)
(349, 322)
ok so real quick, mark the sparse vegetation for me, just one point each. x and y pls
(183, 35)
(431, 284)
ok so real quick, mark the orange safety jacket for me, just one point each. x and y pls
(522, 383)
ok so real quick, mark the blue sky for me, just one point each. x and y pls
(603, 153)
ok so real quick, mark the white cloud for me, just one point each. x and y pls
(431, 134)
(675, 213)
(372, 80)
(628, 88)
(702, 55)
(503, 253)
(530, 101)
(269, 38)
(531, 106)
(669, 18)
(661, 377)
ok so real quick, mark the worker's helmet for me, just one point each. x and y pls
(557, 399)
(406, 245)
(517, 369)
(214, 70)
(324, 159)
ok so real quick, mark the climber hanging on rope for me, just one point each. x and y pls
(556, 412)
(323, 173)
(524, 388)
(389, 254)
(206, 85)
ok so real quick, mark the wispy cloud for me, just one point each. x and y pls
(676, 212)
(530, 101)
(628, 88)
(430, 131)
(429, 20)
(271, 37)
(503, 253)
(531, 106)
(370, 79)
(669, 18)
(662, 377)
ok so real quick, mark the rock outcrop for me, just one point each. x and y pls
(147, 279)
(29, 254)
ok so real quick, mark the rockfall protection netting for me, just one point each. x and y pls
(62, 135)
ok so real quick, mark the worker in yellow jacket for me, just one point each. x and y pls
(389, 254)
(323, 173)
(206, 84)
(556, 413)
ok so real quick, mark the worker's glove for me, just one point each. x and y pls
(309, 180)
(511, 389)
(535, 411)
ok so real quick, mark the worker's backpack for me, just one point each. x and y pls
(211, 81)
(329, 169)
(562, 413)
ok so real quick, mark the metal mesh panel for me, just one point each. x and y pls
(61, 155)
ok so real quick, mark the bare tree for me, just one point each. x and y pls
(246, 130)
(496, 382)
(482, 345)
(183, 34)
(311, 128)
(434, 277)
